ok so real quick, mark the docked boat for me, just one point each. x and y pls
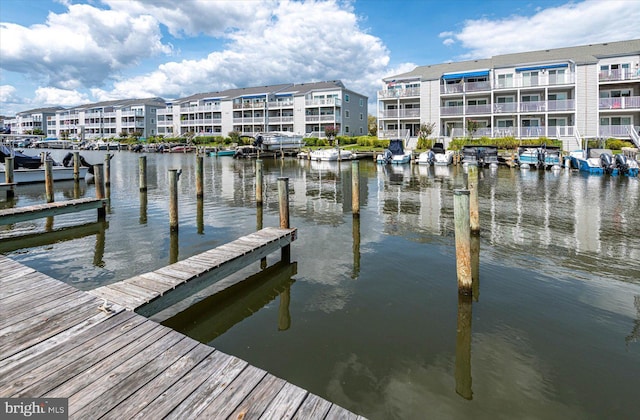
(332, 154)
(480, 155)
(182, 149)
(539, 157)
(395, 153)
(602, 161)
(278, 140)
(436, 156)
(53, 143)
(20, 160)
(29, 176)
(222, 152)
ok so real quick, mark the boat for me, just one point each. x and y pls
(222, 152)
(52, 143)
(539, 157)
(20, 160)
(181, 148)
(436, 156)
(602, 161)
(480, 155)
(330, 154)
(395, 153)
(29, 176)
(278, 140)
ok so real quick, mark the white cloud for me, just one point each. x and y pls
(449, 41)
(81, 47)
(8, 94)
(571, 24)
(53, 97)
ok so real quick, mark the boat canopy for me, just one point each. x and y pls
(396, 147)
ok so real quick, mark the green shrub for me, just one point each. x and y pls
(617, 144)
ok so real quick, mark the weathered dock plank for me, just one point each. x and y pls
(117, 364)
(37, 211)
(140, 293)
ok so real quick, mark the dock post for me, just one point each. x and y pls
(463, 349)
(199, 176)
(8, 175)
(142, 170)
(355, 187)
(259, 182)
(200, 215)
(97, 176)
(173, 200)
(472, 186)
(283, 202)
(463, 240)
(48, 180)
(107, 169)
(76, 166)
(475, 266)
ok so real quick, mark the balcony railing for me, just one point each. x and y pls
(316, 118)
(533, 106)
(478, 109)
(519, 132)
(400, 113)
(618, 131)
(399, 93)
(617, 75)
(281, 104)
(505, 107)
(561, 105)
(451, 110)
(625, 102)
(323, 101)
(519, 81)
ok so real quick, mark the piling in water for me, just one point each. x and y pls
(463, 240)
(463, 348)
(98, 178)
(173, 200)
(142, 171)
(283, 203)
(259, 182)
(355, 187)
(76, 166)
(48, 180)
(8, 174)
(199, 176)
(472, 186)
(107, 169)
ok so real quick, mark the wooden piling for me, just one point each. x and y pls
(463, 240)
(355, 187)
(200, 215)
(199, 176)
(142, 171)
(475, 266)
(463, 349)
(472, 186)
(107, 169)
(173, 200)
(48, 180)
(283, 203)
(174, 247)
(76, 166)
(143, 207)
(98, 174)
(259, 199)
(8, 175)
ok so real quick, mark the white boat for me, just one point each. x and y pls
(395, 153)
(29, 176)
(436, 156)
(278, 140)
(330, 154)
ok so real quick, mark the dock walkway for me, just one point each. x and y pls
(22, 214)
(57, 341)
(217, 263)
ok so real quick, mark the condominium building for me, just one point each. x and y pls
(305, 108)
(26, 122)
(565, 93)
(106, 119)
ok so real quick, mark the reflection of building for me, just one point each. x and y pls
(562, 93)
(301, 108)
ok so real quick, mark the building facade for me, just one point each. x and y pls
(566, 93)
(106, 119)
(306, 108)
(31, 121)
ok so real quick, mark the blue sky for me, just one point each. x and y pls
(67, 52)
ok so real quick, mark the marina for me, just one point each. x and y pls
(367, 315)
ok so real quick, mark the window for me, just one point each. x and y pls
(560, 96)
(346, 128)
(556, 76)
(505, 80)
(530, 78)
(477, 102)
(504, 99)
(530, 98)
(504, 123)
(361, 116)
(346, 113)
(361, 102)
(346, 97)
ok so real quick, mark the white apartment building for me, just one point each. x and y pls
(305, 108)
(26, 122)
(106, 119)
(590, 91)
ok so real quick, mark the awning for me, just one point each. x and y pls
(550, 66)
(466, 75)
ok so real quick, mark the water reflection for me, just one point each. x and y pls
(463, 348)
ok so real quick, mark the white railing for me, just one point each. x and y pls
(280, 104)
(625, 102)
(621, 74)
(533, 106)
(323, 101)
(505, 107)
(400, 113)
(633, 133)
(617, 131)
(399, 93)
(451, 110)
(561, 105)
(519, 132)
(478, 109)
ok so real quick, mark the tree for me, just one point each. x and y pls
(472, 126)
(426, 129)
(331, 131)
(372, 125)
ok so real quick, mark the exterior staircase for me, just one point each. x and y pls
(633, 134)
(571, 141)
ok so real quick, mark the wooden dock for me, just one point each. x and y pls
(37, 211)
(141, 293)
(57, 341)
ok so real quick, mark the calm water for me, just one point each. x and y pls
(368, 314)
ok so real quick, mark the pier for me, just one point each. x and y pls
(37, 211)
(60, 342)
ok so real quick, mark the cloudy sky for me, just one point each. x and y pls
(68, 52)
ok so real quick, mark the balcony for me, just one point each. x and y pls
(518, 132)
(505, 108)
(322, 118)
(617, 131)
(451, 110)
(618, 75)
(625, 102)
(279, 120)
(478, 109)
(533, 106)
(280, 104)
(323, 102)
(400, 113)
(561, 105)
(399, 93)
